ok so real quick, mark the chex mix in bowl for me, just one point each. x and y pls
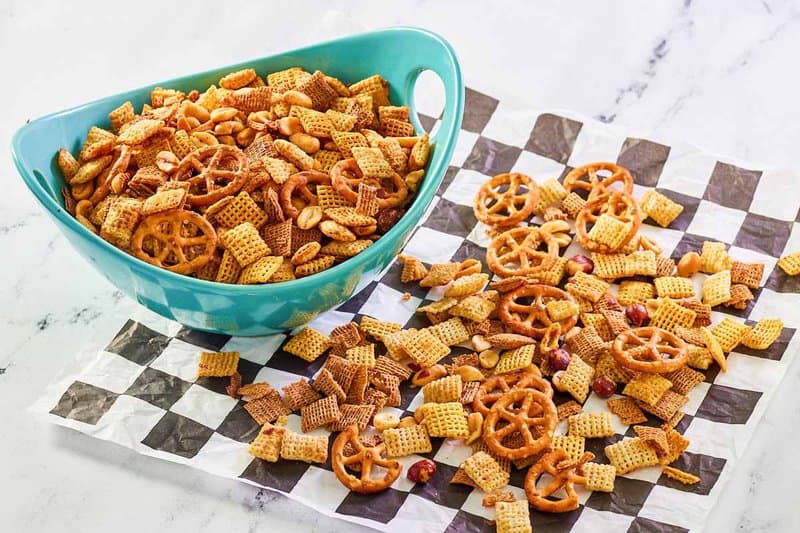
(254, 180)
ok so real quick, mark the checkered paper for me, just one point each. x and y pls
(141, 391)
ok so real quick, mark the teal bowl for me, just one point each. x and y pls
(398, 54)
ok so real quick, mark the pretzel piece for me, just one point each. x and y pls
(365, 457)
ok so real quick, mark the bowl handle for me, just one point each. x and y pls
(428, 51)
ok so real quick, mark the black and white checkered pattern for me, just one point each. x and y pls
(141, 390)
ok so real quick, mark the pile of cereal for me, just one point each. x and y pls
(250, 182)
(546, 323)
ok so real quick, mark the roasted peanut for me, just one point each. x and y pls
(309, 217)
(288, 126)
(228, 127)
(407, 421)
(223, 114)
(488, 358)
(306, 253)
(469, 373)
(205, 138)
(336, 231)
(479, 343)
(689, 265)
(167, 161)
(307, 143)
(475, 425)
(297, 98)
(426, 375)
(245, 137)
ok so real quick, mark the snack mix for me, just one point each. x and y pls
(544, 324)
(251, 181)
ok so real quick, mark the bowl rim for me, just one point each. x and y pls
(410, 218)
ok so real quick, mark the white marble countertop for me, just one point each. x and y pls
(719, 74)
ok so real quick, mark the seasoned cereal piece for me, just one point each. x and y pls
(648, 388)
(486, 472)
(790, 264)
(670, 316)
(245, 243)
(389, 384)
(268, 408)
(440, 274)
(748, 274)
(666, 407)
(677, 445)
(325, 383)
(424, 348)
(740, 295)
(217, 364)
(307, 345)
(413, 269)
(674, 287)
(575, 380)
(660, 208)
(656, 438)
(446, 420)
(717, 288)
(308, 448)
(574, 445)
(267, 445)
(513, 517)
(378, 328)
(403, 441)
(238, 79)
(567, 409)
(679, 475)
(763, 334)
(317, 264)
(466, 285)
(362, 355)
(599, 478)
(590, 425)
(516, 359)
(587, 286)
(684, 380)
(299, 394)
(729, 333)
(260, 271)
(608, 231)
(320, 413)
(627, 411)
(254, 391)
(630, 454)
(121, 219)
(442, 390)
(358, 415)
(715, 257)
(475, 308)
(451, 331)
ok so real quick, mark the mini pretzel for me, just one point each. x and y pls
(213, 172)
(515, 252)
(347, 176)
(295, 191)
(527, 411)
(650, 349)
(586, 178)
(495, 387)
(565, 472)
(619, 205)
(532, 318)
(506, 200)
(175, 240)
(363, 460)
